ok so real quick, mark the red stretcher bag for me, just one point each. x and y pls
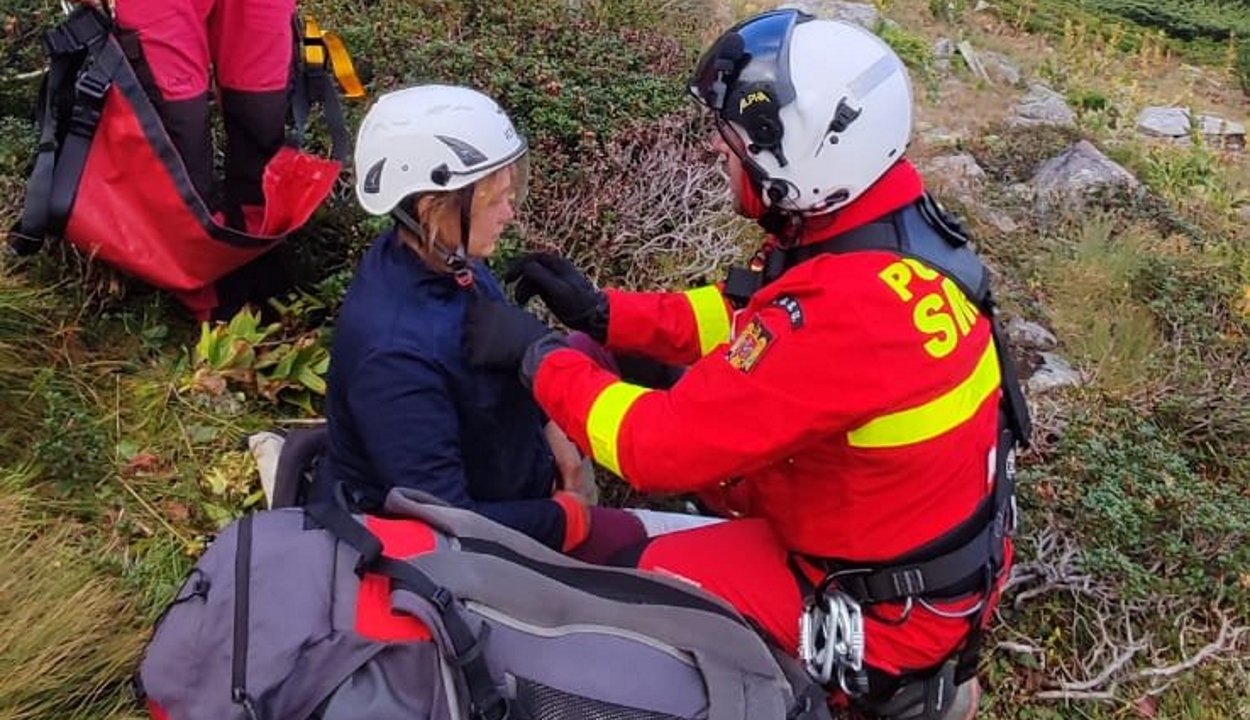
(108, 178)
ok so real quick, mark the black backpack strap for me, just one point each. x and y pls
(1013, 394)
(90, 91)
(466, 647)
(67, 46)
(340, 523)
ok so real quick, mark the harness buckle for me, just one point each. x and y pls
(908, 582)
(831, 641)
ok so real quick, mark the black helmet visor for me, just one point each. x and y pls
(745, 76)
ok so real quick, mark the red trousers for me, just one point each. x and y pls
(744, 563)
(247, 41)
(246, 46)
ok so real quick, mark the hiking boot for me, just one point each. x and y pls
(967, 700)
(924, 700)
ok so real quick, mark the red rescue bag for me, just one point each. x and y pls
(108, 178)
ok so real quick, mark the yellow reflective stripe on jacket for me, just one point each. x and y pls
(935, 417)
(711, 316)
(603, 427)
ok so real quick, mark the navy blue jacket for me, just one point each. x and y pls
(404, 409)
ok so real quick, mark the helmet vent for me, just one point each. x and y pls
(468, 154)
(843, 117)
(373, 178)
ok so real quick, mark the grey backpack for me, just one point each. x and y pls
(438, 613)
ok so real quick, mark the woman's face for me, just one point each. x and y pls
(494, 206)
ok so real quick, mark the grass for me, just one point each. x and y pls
(68, 633)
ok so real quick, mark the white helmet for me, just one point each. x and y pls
(817, 110)
(430, 138)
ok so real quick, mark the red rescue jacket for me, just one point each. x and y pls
(854, 399)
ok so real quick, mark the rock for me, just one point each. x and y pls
(943, 51)
(1043, 106)
(1071, 180)
(1001, 69)
(1028, 335)
(972, 60)
(998, 220)
(1053, 373)
(1179, 122)
(960, 174)
(863, 14)
(1163, 121)
(940, 137)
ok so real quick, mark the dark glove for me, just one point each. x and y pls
(564, 289)
(498, 334)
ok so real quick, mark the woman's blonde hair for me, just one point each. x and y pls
(438, 214)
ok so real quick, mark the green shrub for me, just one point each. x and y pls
(1146, 510)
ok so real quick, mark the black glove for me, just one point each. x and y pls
(497, 335)
(564, 289)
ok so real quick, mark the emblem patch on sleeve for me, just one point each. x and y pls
(750, 345)
(793, 309)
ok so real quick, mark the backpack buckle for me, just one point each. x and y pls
(92, 85)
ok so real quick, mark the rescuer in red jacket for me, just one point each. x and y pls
(844, 394)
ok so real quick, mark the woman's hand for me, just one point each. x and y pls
(576, 473)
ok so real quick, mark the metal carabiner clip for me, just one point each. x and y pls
(831, 641)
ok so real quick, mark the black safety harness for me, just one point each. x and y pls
(967, 559)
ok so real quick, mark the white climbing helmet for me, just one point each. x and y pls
(817, 110)
(430, 138)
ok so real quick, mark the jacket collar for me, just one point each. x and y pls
(899, 187)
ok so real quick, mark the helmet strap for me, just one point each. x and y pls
(456, 260)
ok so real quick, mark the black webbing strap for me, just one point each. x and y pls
(242, 608)
(340, 523)
(466, 647)
(90, 91)
(67, 46)
(1013, 394)
(946, 575)
(313, 83)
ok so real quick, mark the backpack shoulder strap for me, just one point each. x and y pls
(466, 647)
(313, 81)
(71, 94)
